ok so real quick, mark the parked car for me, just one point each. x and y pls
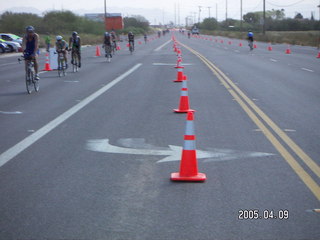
(11, 37)
(3, 47)
(13, 46)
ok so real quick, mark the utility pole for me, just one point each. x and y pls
(209, 12)
(179, 13)
(241, 15)
(217, 12)
(226, 10)
(175, 14)
(105, 13)
(199, 14)
(163, 16)
(264, 18)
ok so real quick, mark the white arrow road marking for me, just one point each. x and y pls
(16, 112)
(173, 153)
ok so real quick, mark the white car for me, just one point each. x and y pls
(11, 37)
(13, 46)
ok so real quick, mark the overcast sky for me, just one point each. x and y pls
(157, 11)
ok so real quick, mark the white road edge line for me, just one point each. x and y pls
(306, 69)
(28, 141)
(273, 60)
(159, 48)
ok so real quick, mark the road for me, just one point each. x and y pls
(257, 114)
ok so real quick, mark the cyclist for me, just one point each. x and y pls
(131, 39)
(159, 34)
(145, 38)
(48, 41)
(107, 43)
(61, 46)
(75, 46)
(189, 34)
(250, 39)
(30, 45)
(114, 39)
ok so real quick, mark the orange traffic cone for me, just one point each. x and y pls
(139, 42)
(118, 48)
(318, 56)
(179, 73)
(240, 44)
(179, 60)
(288, 50)
(254, 45)
(47, 64)
(221, 41)
(184, 99)
(189, 164)
(98, 53)
(269, 47)
(229, 42)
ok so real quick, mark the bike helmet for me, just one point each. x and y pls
(106, 34)
(130, 33)
(30, 29)
(59, 38)
(74, 34)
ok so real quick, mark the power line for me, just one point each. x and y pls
(290, 5)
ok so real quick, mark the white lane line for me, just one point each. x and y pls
(68, 81)
(11, 113)
(171, 64)
(159, 48)
(28, 141)
(306, 69)
(273, 60)
(237, 51)
(6, 64)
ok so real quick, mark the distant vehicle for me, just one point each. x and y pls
(11, 37)
(13, 46)
(3, 47)
(195, 31)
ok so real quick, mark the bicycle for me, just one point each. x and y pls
(131, 48)
(31, 82)
(113, 48)
(75, 62)
(108, 51)
(250, 45)
(61, 64)
(145, 40)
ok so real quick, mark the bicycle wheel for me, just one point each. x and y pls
(59, 68)
(35, 82)
(131, 49)
(28, 81)
(64, 69)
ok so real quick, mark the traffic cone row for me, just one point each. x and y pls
(188, 165)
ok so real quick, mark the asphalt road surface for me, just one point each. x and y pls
(81, 159)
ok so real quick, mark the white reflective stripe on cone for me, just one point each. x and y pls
(184, 93)
(189, 145)
(189, 128)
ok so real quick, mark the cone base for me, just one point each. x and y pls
(183, 111)
(177, 80)
(47, 70)
(200, 177)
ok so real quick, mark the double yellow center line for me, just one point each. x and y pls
(254, 112)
